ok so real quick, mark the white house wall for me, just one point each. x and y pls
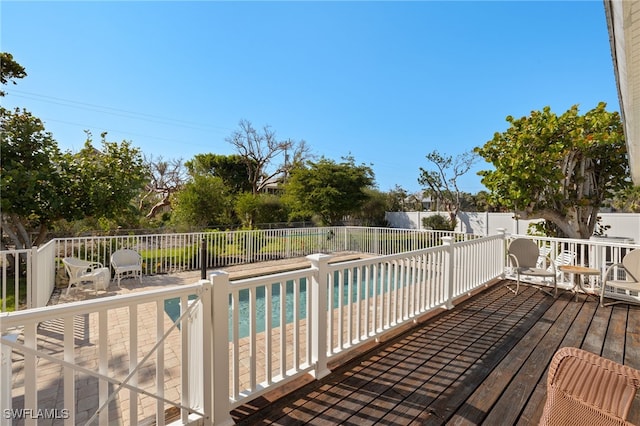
(622, 225)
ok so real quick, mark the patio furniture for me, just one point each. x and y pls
(564, 258)
(126, 263)
(629, 269)
(83, 271)
(523, 255)
(586, 389)
(578, 272)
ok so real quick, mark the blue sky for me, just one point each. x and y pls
(385, 82)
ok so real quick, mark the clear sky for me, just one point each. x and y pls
(385, 82)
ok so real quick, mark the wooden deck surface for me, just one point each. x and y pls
(483, 362)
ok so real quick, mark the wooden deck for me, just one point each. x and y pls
(483, 362)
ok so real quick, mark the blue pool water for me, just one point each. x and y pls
(172, 306)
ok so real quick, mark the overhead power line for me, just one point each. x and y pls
(114, 111)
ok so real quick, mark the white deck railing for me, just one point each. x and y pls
(167, 253)
(121, 358)
(21, 270)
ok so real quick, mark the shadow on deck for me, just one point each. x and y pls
(484, 362)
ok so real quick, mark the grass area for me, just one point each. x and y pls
(10, 298)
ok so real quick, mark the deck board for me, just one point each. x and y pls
(483, 362)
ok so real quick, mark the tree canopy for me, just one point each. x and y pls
(328, 189)
(9, 70)
(558, 168)
(232, 169)
(442, 182)
(40, 184)
(259, 151)
(202, 202)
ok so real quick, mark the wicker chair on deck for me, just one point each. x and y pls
(126, 263)
(586, 389)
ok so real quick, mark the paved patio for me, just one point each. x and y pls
(50, 339)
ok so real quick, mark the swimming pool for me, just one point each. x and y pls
(379, 284)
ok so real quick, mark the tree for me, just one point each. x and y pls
(232, 169)
(167, 177)
(262, 208)
(41, 185)
(628, 200)
(327, 189)
(442, 183)
(201, 202)
(558, 168)
(106, 181)
(260, 149)
(29, 180)
(9, 70)
(373, 209)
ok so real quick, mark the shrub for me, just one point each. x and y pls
(437, 222)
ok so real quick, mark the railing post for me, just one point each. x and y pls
(447, 242)
(6, 374)
(203, 259)
(32, 279)
(217, 370)
(319, 311)
(502, 232)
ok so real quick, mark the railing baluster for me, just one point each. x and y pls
(133, 360)
(160, 362)
(69, 373)
(30, 376)
(268, 334)
(103, 364)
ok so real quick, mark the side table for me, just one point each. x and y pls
(577, 272)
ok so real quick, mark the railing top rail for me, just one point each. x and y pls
(251, 282)
(594, 242)
(17, 251)
(11, 319)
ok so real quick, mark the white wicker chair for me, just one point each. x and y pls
(83, 271)
(126, 263)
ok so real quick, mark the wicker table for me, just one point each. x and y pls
(577, 272)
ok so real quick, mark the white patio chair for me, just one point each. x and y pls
(83, 271)
(630, 268)
(126, 263)
(523, 255)
(564, 258)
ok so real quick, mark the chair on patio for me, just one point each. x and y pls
(523, 255)
(83, 271)
(564, 258)
(586, 389)
(630, 268)
(126, 263)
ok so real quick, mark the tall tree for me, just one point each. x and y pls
(30, 183)
(558, 168)
(328, 189)
(166, 178)
(232, 169)
(10, 70)
(201, 202)
(260, 149)
(40, 185)
(442, 182)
